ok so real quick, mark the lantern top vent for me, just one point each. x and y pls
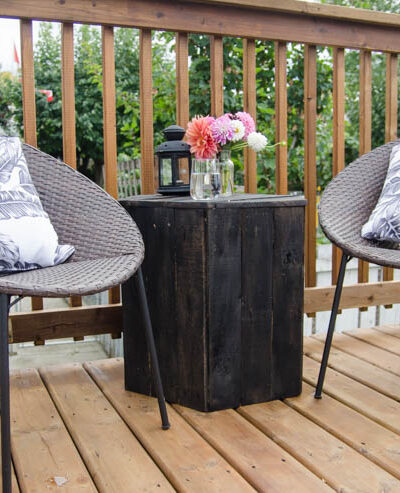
(174, 135)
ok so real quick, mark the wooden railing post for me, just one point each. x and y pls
(182, 79)
(365, 116)
(110, 125)
(338, 134)
(310, 164)
(146, 113)
(217, 76)
(68, 106)
(390, 120)
(280, 118)
(29, 101)
(250, 105)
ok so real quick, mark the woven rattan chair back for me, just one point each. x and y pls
(81, 212)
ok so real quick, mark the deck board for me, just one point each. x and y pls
(189, 462)
(42, 448)
(112, 454)
(77, 422)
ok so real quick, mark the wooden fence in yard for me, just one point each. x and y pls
(310, 24)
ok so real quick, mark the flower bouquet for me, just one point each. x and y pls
(209, 136)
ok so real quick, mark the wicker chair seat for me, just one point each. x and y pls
(74, 278)
(348, 201)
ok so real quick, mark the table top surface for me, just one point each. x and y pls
(240, 200)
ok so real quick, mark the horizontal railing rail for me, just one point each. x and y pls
(310, 24)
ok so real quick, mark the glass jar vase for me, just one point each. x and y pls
(227, 173)
(205, 179)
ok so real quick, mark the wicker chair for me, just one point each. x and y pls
(345, 206)
(108, 251)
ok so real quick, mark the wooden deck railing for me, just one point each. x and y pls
(310, 24)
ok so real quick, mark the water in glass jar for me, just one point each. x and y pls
(205, 186)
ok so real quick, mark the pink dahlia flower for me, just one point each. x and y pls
(199, 137)
(222, 130)
(248, 122)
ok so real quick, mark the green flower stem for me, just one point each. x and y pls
(242, 145)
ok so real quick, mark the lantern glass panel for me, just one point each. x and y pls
(166, 172)
(184, 176)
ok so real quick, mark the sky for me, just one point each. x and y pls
(9, 34)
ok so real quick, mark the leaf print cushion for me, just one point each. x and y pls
(384, 221)
(27, 237)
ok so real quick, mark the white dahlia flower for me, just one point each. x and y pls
(256, 141)
(238, 130)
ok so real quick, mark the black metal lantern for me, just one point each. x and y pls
(174, 163)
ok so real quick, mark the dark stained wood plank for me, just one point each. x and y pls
(257, 304)
(224, 280)
(69, 322)
(280, 118)
(262, 462)
(217, 75)
(287, 282)
(310, 163)
(112, 454)
(249, 105)
(186, 459)
(364, 435)
(317, 449)
(146, 113)
(157, 227)
(41, 445)
(353, 28)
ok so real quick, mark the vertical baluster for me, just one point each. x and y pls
(310, 164)
(217, 76)
(68, 109)
(109, 125)
(250, 105)
(390, 120)
(365, 115)
(28, 101)
(338, 134)
(280, 117)
(182, 91)
(146, 113)
(182, 79)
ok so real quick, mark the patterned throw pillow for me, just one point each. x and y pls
(27, 238)
(384, 221)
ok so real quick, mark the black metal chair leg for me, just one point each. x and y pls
(5, 395)
(331, 328)
(152, 348)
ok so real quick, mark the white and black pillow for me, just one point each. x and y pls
(27, 237)
(384, 221)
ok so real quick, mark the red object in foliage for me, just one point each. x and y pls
(48, 93)
(16, 59)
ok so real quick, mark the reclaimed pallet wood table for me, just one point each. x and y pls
(225, 285)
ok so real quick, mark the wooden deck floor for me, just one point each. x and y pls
(75, 429)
